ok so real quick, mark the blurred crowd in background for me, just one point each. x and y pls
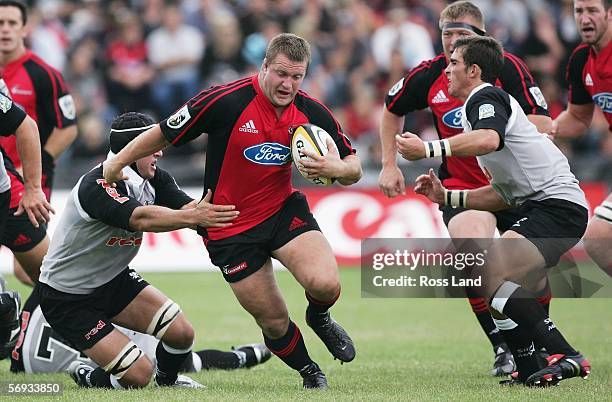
(152, 55)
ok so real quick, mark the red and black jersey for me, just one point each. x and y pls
(427, 86)
(590, 78)
(40, 90)
(248, 160)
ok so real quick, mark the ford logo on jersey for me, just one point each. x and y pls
(453, 118)
(604, 101)
(268, 153)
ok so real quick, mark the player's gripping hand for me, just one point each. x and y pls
(35, 204)
(391, 181)
(212, 215)
(113, 172)
(410, 146)
(330, 165)
(431, 187)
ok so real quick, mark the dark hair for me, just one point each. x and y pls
(485, 52)
(294, 47)
(20, 5)
(460, 9)
(128, 126)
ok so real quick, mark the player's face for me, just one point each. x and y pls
(12, 30)
(456, 72)
(147, 165)
(281, 79)
(591, 19)
(449, 36)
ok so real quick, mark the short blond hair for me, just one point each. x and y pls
(296, 48)
(460, 9)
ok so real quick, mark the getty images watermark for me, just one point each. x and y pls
(447, 268)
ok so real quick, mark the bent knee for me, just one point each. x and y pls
(180, 335)
(274, 327)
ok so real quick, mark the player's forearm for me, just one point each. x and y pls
(474, 143)
(154, 218)
(570, 125)
(28, 147)
(145, 144)
(59, 140)
(390, 126)
(352, 172)
(485, 199)
(542, 123)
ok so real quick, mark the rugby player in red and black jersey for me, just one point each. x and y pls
(248, 165)
(426, 86)
(589, 72)
(41, 91)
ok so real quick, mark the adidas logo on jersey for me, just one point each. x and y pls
(440, 98)
(249, 127)
(588, 81)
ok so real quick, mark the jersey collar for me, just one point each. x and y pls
(478, 88)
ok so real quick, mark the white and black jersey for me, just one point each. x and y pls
(11, 117)
(93, 241)
(527, 165)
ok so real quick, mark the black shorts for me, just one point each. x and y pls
(5, 200)
(243, 254)
(554, 226)
(19, 234)
(83, 320)
(505, 218)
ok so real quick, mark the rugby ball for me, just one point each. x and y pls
(312, 138)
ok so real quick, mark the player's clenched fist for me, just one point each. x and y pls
(410, 146)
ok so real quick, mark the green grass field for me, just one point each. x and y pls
(407, 349)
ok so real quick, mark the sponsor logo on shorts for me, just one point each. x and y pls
(136, 276)
(237, 268)
(604, 101)
(452, 118)
(296, 223)
(268, 153)
(101, 324)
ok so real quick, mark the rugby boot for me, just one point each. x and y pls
(10, 305)
(560, 367)
(80, 373)
(504, 362)
(252, 354)
(313, 377)
(335, 338)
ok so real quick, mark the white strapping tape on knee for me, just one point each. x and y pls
(501, 296)
(124, 360)
(604, 211)
(162, 319)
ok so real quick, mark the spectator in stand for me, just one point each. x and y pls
(223, 60)
(174, 51)
(129, 74)
(399, 34)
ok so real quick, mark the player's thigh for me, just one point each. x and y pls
(468, 223)
(153, 313)
(310, 259)
(30, 261)
(598, 238)
(259, 294)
